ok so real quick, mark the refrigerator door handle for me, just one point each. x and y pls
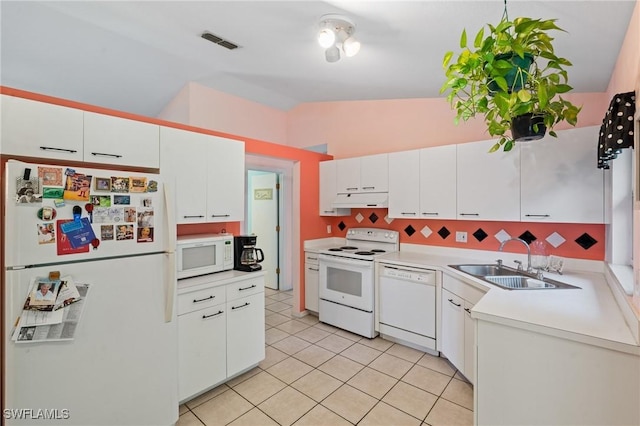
(170, 223)
(170, 286)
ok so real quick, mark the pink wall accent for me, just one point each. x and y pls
(358, 128)
(626, 75)
(226, 113)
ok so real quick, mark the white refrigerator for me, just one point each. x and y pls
(120, 368)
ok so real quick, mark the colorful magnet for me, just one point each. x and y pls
(47, 213)
(95, 243)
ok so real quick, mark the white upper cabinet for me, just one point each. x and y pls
(488, 183)
(404, 188)
(208, 173)
(363, 174)
(328, 190)
(438, 182)
(560, 178)
(422, 183)
(183, 161)
(225, 180)
(119, 141)
(39, 129)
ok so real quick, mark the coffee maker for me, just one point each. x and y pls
(246, 256)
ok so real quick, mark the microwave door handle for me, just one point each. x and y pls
(260, 255)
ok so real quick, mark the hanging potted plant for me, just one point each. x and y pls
(513, 78)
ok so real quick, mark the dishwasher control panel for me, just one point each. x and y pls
(425, 276)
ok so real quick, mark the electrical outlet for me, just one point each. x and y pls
(328, 229)
(461, 237)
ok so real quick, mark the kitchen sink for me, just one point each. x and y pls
(509, 278)
(484, 270)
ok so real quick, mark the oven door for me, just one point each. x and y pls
(346, 281)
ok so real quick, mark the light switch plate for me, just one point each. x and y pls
(328, 229)
(461, 237)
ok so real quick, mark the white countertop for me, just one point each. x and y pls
(219, 278)
(589, 315)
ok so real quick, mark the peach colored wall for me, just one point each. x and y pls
(626, 74)
(356, 128)
(178, 108)
(212, 109)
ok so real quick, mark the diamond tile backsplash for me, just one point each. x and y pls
(575, 240)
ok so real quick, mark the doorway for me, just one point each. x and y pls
(263, 220)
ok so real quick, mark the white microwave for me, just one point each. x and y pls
(203, 254)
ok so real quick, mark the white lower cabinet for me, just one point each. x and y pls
(457, 338)
(220, 332)
(203, 355)
(245, 341)
(311, 281)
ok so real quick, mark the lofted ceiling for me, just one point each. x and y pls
(135, 56)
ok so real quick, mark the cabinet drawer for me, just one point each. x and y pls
(245, 288)
(311, 258)
(200, 299)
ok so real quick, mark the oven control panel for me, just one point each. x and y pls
(373, 234)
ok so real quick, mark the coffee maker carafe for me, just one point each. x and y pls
(247, 257)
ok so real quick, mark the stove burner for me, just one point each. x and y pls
(349, 248)
(335, 249)
(365, 253)
(378, 251)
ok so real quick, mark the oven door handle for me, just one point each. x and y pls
(328, 259)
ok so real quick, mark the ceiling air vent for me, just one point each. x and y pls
(219, 41)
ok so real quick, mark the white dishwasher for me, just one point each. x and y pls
(407, 299)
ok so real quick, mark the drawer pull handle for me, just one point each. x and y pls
(104, 154)
(469, 214)
(454, 303)
(352, 188)
(312, 258)
(202, 300)
(313, 269)
(190, 216)
(468, 310)
(430, 213)
(241, 306)
(247, 288)
(408, 213)
(51, 148)
(329, 211)
(220, 215)
(368, 187)
(536, 215)
(212, 315)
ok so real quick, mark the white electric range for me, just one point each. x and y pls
(347, 279)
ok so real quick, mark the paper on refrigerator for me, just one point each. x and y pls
(57, 324)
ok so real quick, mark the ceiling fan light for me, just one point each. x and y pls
(351, 46)
(332, 54)
(326, 38)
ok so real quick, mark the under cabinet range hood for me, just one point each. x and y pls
(362, 200)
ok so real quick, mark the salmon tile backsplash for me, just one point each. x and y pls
(575, 240)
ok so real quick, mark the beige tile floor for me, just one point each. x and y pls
(316, 374)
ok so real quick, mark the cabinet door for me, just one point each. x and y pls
(348, 175)
(119, 141)
(488, 183)
(311, 280)
(469, 342)
(404, 187)
(202, 354)
(438, 182)
(245, 333)
(328, 190)
(374, 173)
(453, 329)
(225, 183)
(183, 161)
(560, 182)
(39, 129)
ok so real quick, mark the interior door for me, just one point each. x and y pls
(264, 221)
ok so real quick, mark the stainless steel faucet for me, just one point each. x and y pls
(529, 268)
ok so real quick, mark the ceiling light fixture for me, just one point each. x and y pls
(335, 34)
